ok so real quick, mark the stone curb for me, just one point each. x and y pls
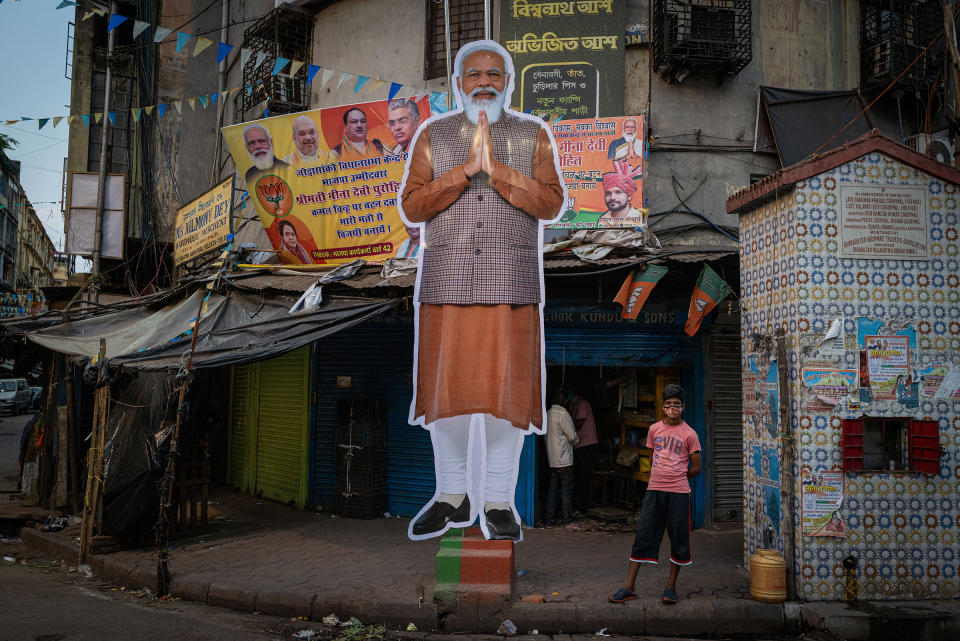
(644, 616)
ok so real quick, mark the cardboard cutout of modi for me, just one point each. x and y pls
(481, 182)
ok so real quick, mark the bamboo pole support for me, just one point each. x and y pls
(94, 460)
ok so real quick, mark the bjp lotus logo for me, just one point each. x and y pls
(274, 195)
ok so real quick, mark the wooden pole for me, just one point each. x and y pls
(170, 475)
(94, 459)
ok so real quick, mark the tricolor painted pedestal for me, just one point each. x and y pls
(470, 566)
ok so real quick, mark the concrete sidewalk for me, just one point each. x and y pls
(261, 556)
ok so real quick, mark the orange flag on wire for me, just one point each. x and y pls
(635, 290)
(710, 290)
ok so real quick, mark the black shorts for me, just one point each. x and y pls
(661, 511)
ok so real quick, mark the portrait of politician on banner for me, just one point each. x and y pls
(480, 184)
(324, 182)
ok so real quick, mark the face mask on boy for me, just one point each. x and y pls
(673, 412)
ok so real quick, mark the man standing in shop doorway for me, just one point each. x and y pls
(666, 504)
(585, 454)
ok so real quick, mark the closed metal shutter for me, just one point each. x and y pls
(282, 427)
(726, 427)
(239, 425)
(378, 359)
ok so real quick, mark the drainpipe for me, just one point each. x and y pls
(486, 19)
(786, 464)
(102, 178)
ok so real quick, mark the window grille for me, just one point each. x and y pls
(282, 33)
(893, 33)
(701, 37)
(466, 25)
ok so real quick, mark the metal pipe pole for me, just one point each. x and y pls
(446, 39)
(486, 19)
(221, 85)
(102, 178)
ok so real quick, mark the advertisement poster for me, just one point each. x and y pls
(931, 377)
(603, 162)
(569, 56)
(888, 361)
(831, 385)
(324, 182)
(203, 224)
(820, 504)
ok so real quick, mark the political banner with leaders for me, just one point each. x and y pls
(603, 163)
(324, 182)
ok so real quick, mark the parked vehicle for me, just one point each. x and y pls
(15, 395)
(36, 397)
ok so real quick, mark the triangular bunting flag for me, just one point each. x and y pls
(100, 12)
(202, 43)
(12, 122)
(294, 68)
(223, 49)
(161, 109)
(160, 33)
(115, 21)
(25, 118)
(88, 15)
(637, 287)
(279, 65)
(261, 56)
(136, 114)
(343, 78)
(182, 40)
(193, 103)
(112, 115)
(97, 117)
(234, 90)
(86, 119)
(148, 110)
(56, 121)
(394, 88)
(710, 290)
(213, 98)
(42, 122)
(70, 119)
(244, 57)
(139, 26)
(203, 101)
(179, 106)
(224, 94)
(249, 90)
(361, 80)
(325, 77)
(67, 3)
(373, 86)
(311, 72)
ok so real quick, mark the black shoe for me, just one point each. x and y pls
(502, 525)
(441, 514)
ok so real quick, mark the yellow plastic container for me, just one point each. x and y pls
(768, 577)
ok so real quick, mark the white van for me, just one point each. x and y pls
(14, 395)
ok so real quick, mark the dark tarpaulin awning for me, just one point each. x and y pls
(238, 327)
(795, 123)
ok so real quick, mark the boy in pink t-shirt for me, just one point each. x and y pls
(666, 504)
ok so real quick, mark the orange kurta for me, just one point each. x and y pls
(480, 358)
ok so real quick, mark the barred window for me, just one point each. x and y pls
(466, 25)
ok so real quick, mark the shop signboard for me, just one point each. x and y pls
(324, 182)
(568, 56)
(203, 224)
(603, 162)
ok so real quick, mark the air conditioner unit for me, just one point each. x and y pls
(937, 147)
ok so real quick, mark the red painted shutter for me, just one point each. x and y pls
(851, 444)
(925, 447)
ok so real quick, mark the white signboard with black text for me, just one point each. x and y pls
(883, 222)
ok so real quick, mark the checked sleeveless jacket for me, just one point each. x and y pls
(481, 250)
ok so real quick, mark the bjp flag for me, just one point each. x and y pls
(710, 290)
(635, 290)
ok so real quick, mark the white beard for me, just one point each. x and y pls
(264, 162)
(493, 106)
(630, 137)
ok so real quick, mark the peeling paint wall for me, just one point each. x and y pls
(901, 526)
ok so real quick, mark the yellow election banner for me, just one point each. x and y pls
(203, 224)
(324, 182)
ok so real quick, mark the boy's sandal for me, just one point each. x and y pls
(670, 596)
(621, 596)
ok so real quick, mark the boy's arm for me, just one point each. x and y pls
(694, 465)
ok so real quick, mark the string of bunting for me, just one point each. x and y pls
(201, 44)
